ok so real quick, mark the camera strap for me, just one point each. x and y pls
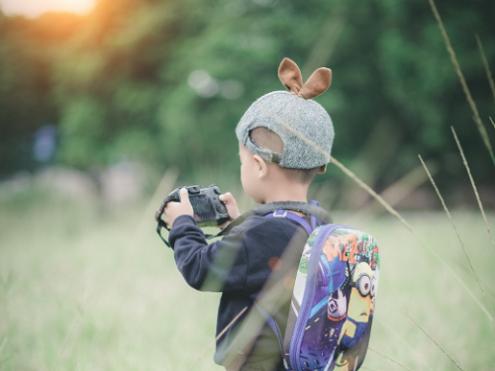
(310, 209)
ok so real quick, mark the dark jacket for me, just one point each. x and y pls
(238, 265)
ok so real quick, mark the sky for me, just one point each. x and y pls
(33, 8)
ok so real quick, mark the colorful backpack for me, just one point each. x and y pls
(333, 299)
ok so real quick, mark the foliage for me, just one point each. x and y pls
(164, 82)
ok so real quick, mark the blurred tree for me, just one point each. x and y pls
(27, 52)
(165, 82)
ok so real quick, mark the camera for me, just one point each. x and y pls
(207, 207)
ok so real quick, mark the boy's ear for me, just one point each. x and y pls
(322, 169)
(260, 165)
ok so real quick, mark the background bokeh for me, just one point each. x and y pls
(103, 113)
(163, 83)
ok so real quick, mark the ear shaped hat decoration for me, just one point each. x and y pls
(291, 77)
(303, 125)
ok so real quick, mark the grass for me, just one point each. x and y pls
(80, 291)
(469, 98)
(85, 290)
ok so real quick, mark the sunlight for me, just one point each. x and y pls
(34, 8)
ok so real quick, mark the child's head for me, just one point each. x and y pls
(285, 138)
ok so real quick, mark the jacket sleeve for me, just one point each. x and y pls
(219, 266)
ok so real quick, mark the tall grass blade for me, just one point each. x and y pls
(437, 344)
(488, 71)
(392, 211)
(367, 368)
(368, 189)
(465, 88)
(457, 277)
(231, 323)
(398, 190)
(351, 175)
(326, 41)
(493, 122)
(410, 348)
(203, 355)
(271, 298)
(473, 184)
(388, 358)
(451, 220)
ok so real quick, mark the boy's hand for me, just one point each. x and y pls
(175, 209)
(231, 204)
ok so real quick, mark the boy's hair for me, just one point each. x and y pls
(268, 139)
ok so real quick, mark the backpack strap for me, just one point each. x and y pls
(294, 217)
(312, 208)
(297, 218)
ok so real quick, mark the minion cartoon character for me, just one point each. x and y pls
(355, 332)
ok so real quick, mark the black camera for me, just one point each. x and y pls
(207, 207)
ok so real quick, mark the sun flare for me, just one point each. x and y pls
(34, 8)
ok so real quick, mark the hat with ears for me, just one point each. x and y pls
(302, 124)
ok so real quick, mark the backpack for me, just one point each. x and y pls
(333, 299)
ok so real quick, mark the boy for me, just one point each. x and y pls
(285, 139)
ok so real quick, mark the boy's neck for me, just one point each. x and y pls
(294, 193)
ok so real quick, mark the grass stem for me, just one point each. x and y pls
(473, 184)
(231, 323)
(388, 358)
(394, 212)
(393, 332)
(437, 344)
(368, 189)
(465, 88)
(488, 72)
(451, 220)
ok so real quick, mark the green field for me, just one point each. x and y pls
(82, 291)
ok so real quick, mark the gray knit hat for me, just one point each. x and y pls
(302, 124)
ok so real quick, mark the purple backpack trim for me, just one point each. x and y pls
(295, 218)
(282, 213)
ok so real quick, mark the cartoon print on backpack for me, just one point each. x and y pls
(362, 299)
(334, 300)
(337, 306)
(355, 333)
